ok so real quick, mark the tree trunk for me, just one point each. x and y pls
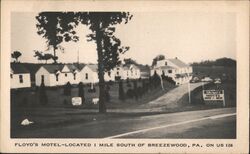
(102, 106)
(54, 55)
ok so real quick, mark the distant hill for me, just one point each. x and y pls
(225, 62)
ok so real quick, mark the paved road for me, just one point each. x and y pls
(214, 123)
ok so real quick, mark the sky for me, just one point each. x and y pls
(190, 36)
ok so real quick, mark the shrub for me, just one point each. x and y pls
(65, 102)
(130, 93)
(81, 91)
(121, 91)
(135, 90)
(42, 95)
(106, 92)
(67, 89)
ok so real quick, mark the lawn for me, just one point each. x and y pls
(25, 104)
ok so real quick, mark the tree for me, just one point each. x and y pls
(157, 58)
(48, 27)
(128, 61)
(46, 57)
(16, 55)
(38, 54)
(102, 26)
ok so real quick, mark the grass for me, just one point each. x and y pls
(25, 104)
(197, 102)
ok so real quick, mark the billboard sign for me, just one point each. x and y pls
(213, 95)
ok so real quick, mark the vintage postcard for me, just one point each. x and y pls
(124, 76)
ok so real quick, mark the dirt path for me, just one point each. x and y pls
(160, 103)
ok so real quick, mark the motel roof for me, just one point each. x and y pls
(178, 62)
(53, 68)
(19, 69)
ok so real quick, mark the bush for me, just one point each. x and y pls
(107, 96)
(135, 90)
(121, 91)
(81, 91)
(42, 95)
(92, 90)
(130, 93)
(67, 89)
(65, 102)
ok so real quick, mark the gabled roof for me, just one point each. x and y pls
(18, 69)
(178, 62)
(128, 66)
(53, 68)
(72, 67)
(93, 67)
(166, 67)
(144, 68)
(80, 66)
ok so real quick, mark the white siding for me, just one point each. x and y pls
(92, 77)
(38, 77)
(16, 83)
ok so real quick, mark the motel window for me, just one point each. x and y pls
(109, 74)
(169, 71)
(57, 77)
(166, 63)
(86, 76)
(74, 76)
(66, 74)
(117, 73)
(21, 78)
(11, 76)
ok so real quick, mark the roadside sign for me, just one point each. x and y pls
(76, 101)
(214, 95)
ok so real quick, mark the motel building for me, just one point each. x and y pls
(19, 77)
(129, 71)
(179, 71)
(57, 75)
(89, 74)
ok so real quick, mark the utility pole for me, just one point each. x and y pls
(189, 93)
(78, 58)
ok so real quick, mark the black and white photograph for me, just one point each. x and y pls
(124, 74)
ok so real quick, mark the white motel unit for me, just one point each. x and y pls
(89, 74)
(56, 75)
(19, 77)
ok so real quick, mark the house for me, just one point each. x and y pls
(129, 71)
(57, 74)
(89, 74)
(144, 71)
(19, 77)
(176, 69)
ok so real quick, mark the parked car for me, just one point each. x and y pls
(194, 80)
(206, 79)
(217, 80)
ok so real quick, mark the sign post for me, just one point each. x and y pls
(214, 95)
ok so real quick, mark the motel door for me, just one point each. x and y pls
(42, 78)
